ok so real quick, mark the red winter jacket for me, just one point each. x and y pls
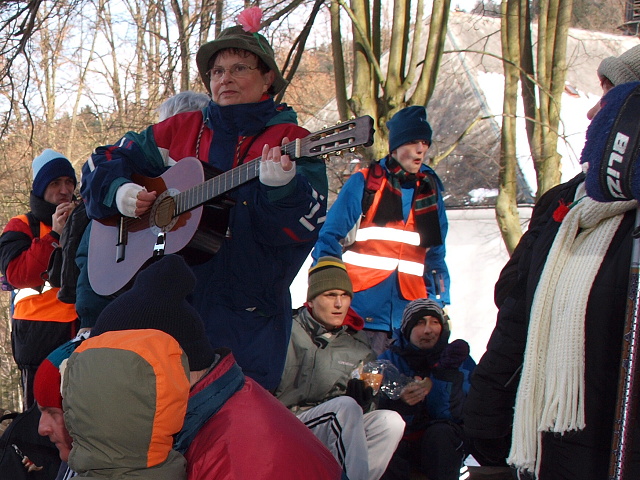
(254, 436)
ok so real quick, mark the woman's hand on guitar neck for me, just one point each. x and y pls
(276, 169)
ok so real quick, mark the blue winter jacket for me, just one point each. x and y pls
(446, 398)
(382, 305)
(242, 292)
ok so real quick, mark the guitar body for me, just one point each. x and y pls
(197, 233)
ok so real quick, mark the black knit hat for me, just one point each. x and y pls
(158, 300)
(418, 309)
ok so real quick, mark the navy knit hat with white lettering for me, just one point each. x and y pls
(48, 166)
(328, 274)
(158, 300)
(407, 125)
(612, 147)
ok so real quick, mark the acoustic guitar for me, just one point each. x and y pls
(191, 212)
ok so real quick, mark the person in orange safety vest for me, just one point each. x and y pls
(40, 322)
(398, 253)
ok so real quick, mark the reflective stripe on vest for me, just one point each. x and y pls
(379, 251)
(30, 304)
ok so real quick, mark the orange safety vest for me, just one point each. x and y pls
(32, 304)
(379, 251)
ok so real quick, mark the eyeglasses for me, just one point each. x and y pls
(239, 70)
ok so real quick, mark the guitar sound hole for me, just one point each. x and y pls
(164, 212)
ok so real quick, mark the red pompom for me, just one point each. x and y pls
(561, 211)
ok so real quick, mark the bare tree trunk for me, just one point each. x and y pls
(112, 73)
(506, 204)
(553, 77)
(382, 94)
(340, 77)
(71, 139)
(435, 47)
(543, 87)
(182, 15)
(52, 40)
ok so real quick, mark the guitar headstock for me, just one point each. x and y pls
(351, 133)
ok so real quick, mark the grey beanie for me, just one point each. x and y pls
(622, 69)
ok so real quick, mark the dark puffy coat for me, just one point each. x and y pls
(489, 406)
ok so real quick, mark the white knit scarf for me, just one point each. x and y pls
(550, 396)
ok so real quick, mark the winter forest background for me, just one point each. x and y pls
(76, 74)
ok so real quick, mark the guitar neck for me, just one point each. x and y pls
(220, 184)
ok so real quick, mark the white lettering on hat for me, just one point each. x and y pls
(615, 159)
(620, 143)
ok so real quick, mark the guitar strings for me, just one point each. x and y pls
(207, 190)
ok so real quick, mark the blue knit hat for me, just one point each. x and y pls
(48, 166)
(612, 147)
(407, 125)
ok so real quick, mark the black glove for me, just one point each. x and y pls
(454, 354)
(362, 394)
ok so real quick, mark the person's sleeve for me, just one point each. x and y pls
(436, 273)
(342, 217)
(544, 210)
(88, 303)
(446, 398)
(24, 259)
(111, 166)
(291, 214)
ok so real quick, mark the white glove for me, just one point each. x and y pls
(273, 175)
(126, 197)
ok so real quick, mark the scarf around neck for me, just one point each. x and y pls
(425, 208)
(550, 396)
(232, 121)
(42, 209)
(206, 403)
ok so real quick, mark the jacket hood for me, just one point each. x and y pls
(353, 320)
(125, 395)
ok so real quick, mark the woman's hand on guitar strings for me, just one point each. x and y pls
(144, 201)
